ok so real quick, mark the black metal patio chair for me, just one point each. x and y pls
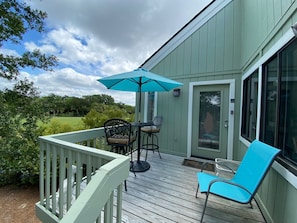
(120, 136)
(150, 139)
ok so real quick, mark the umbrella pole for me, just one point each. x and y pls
(140, 166)
(139, 124)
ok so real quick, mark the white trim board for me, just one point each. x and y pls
(146, 106)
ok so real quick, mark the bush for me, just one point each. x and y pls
(97, 116)
(55, 126)
(19, 152)
(93, 119)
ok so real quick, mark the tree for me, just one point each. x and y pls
(101, 98)
(93, 119)
(16, 19)
(99, 113)
(20, 110)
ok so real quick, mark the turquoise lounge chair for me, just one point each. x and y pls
(247, 179)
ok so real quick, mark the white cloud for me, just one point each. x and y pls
(93, 39)
(45, 48)
(9, 52)
(67, 81)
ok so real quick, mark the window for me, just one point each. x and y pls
(269, 103)
(279, 108)
(278, 121)
(288, 108)
(249, 107)
(150, 106)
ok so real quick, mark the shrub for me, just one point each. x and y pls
(93, 119)
(55, 126)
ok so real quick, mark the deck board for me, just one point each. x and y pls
(166, 193)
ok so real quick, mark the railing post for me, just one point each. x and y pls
(119, 203)
(108, 210)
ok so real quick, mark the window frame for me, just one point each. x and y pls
(150, 108)
(284, 161)
(247, 108)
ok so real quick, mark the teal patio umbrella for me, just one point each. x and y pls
(139, 80)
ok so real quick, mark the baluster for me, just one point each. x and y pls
(69, 179)
(47, 176)
(89, 168)
(61, 182)
(94, 143)
(41, 173)
(78, 174)
(54, 179)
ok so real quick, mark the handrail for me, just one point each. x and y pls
(68, 164)
(91, 198)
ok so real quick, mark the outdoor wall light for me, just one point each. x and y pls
(294, 28)
(176, 92)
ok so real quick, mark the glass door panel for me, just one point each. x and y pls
(209, 119)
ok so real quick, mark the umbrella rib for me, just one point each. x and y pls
(150, 80)
(114, 84)
(147, 81)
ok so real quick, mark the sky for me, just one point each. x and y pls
(98, 38)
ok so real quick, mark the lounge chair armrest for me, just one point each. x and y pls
(227, 182)
(222, 163)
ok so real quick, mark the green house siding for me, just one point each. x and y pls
(279, 198)
(210, 53)
(226, 46)
(261, 30)
(264, 23)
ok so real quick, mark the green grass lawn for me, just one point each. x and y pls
(74, 122)
(62, 124)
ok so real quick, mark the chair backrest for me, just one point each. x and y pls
(254, 165)
(117, 128)
(157, 120)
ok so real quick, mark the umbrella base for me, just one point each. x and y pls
(141, 166)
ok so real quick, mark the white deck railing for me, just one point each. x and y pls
(78, 180)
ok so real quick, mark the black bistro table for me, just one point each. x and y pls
(140, 165)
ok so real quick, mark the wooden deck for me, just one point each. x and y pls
(166, 193)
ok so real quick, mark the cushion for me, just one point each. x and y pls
(150, 129)
(120, 139)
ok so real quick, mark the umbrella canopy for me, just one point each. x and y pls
(139, 80)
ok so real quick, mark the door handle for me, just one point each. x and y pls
(226, 123)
